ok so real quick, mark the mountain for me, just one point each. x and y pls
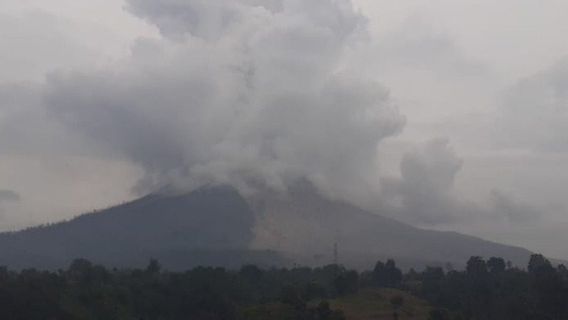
(218, 226)
(211, 226)
(309, 225)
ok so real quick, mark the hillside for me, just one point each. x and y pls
(305, 223)
(217, 226)
(375, 304)
(367, 304)
(211, 226)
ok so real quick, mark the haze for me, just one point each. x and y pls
(444, 114)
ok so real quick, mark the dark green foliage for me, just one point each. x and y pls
(486, 290)
(538, 264)
(476, 266)
(346, 282)
(496, 265)
(490, 290)
(88, 291)
(387, 274)
(154, 267)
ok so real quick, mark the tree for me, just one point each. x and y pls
(290, 295)
(387, 275)
(539, 264)
(80, 270)
(548, 286)
(347, 282)
(509, 264)
(563, 272)
(394, 274)
(432, 282)
(476, 266)
(153, 267)
(496, 265)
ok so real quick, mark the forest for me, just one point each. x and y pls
(484, 290)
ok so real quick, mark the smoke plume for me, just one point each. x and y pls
(241, 92)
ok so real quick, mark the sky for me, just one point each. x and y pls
(446, 114)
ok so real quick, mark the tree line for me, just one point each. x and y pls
(485, 290)
(492, 289)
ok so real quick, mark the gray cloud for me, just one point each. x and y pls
(27, 129)
(417, 46)
(425, 195)
(264, 101)
(246, 92)
(263, 93)
(199, 17)
(9, 196)
(52, 36)
(214, 20)
(433, 166)
(424, 192)
(535, 115)
(512, 210)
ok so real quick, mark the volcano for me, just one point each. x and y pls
(217, 226)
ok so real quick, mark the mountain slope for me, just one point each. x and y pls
(208, 226)
(217, 226)
(308, 224)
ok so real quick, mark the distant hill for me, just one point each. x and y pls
(217, 226)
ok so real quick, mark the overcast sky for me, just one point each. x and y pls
(447, 114)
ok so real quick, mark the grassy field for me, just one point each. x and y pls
(368, 304)
(375, 304)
